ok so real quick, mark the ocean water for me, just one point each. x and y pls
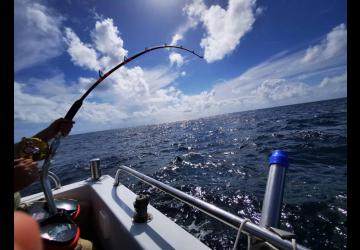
(223, 160)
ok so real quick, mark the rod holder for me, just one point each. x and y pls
(141, 215)
(270, 214)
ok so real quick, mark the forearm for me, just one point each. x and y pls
(61, 125)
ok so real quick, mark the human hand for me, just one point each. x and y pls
(26, 232)
(61, 125)
(25, 173)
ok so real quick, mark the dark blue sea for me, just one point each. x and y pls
(223, 160)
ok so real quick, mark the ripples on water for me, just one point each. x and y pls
(223, 160)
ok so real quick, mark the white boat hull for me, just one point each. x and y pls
(106, 217)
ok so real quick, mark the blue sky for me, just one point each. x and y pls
(257, 54)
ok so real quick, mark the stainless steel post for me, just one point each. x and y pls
(95, 169)
(270, 214)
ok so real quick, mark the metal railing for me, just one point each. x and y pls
(56, 179)
(217, 213)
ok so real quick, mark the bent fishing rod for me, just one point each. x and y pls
(77, 104)
(44, 179)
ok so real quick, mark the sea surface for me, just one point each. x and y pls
(224, 160)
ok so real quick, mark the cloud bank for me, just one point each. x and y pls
(134, 96)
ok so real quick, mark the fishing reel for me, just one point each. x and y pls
(33, 148)
(58, 229)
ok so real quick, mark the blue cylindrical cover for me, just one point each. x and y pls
(279, 157)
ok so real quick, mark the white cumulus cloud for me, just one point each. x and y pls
(334, 87)
(279, 89)
(33, 108)
(37, 34)
(108, 41)
(176, 58)
(106, 51)
(176, 38)
(334, 44)
(81, 54)
(193, 12)
(224, 27)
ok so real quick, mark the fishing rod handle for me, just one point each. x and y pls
(73, 110)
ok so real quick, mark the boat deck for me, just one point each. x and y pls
(106, 218)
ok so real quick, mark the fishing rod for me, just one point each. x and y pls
(77, 104)
(44, 178)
